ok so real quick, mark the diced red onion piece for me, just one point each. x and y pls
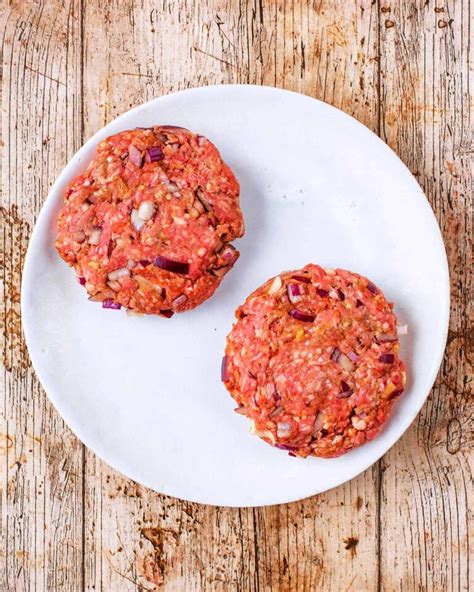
(345, 386)
(144, 262)
(346, 390)
(359, 303)
(387, 358)
(135, 156)
(402, 329)
(345, 363)
(180, 300)
(170, 265)
(94, 237)
(154, 154)
(318, 423)
(292, 454)
(385, 338)
(81, 280)
(372, 288)
(302, 278)
(283, 429)
(352, 356)
(301, 316)
(395, 394)
(146, 210)
(108, 303)
(224, 369)
(340, 294)
(335, 354)
(294, 292)
(284, 447)
(136, 220)
(170, 128)
(116, 274)
(166, 313)
(229, 253)
(322, 293)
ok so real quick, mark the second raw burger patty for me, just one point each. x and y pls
(313, 362)
(148, 225)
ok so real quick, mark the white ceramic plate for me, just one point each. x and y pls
(144, 393)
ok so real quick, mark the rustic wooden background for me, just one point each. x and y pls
(70, 522)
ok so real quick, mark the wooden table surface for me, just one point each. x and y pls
(70, 522)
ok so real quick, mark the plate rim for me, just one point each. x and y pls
(48, 204)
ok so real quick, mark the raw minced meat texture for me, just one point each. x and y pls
(313, 361)
(148, 225)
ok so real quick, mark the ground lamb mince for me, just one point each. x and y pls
(313, 361)
(148, 225)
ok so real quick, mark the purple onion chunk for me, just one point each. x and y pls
(395, 394)
(109, 303)
(322, 293)
(346, 390)
(284, 447)
(135, 156)
(170, 265)
(302, 278)
(166, 313)
(372, 288)
(387, 358)
(336, 354)
(224, 369)
(352, 356)
(154, 154)
(340, 294)
(359, 303)
(82, 280)
(302, 316)
(144, 262)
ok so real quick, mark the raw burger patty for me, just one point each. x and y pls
(148, 225)
(312, 361)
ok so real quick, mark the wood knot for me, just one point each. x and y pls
(453, 435)
(389, 24)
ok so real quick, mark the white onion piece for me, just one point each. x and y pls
(136, 220)
(131, 264)
(146, 210)
(171, 187)
(275, 285)
(345, 362)
(94, 237)
(283, 429)
(358, 423)
(180, 300)
(402, 329)
(118, 273)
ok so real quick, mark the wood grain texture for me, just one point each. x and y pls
(425, 117)
(40, 460)
(70, 522)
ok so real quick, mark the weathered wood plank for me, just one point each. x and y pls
(427, 477)
(40, 460)
(135, 537)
